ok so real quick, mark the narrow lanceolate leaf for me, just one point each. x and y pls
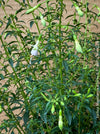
(60, 122)
(32, 9)
(31, 24)
(78, 94)
(77, 45)
(1, 23)
(90, 95)
(10, 62)
(44, 97)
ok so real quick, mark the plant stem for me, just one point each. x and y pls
(17, 80)
(81, 103)
(34, 18)
(79, 121)
(15, 120)
(97, 80)
(85, 42)
(60, 42)
(4, 10)
(49, 37)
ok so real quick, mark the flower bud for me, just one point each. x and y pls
(42, 20)
(53, 109)
(60, 122)
(62, 103)
(32, 9)
(80, 13)
(98, 10)
(77, 45)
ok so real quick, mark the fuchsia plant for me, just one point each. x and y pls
(56, 81)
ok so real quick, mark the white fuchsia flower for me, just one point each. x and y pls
(34, 50)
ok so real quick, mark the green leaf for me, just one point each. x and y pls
(12, 132)
(65, 65)
(16, 108)
(10, 62)
(1, 23)
(9, 50)
(94, 117)
(69, 16)
(53, 109)
(26, 117)
(68, 115)
(31, 24)
(1, 76)
(9, 33)
(44, 97)
(48, 107)
(78, 94)
(88, 108)
(9, 6)
(8, 23)
(90, 95)
(44, 116)
(23, 1)
(0, 109)
(18, 11)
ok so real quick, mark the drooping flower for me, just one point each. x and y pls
(34, 50)
(53, 109)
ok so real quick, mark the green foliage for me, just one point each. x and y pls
(49, 77)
